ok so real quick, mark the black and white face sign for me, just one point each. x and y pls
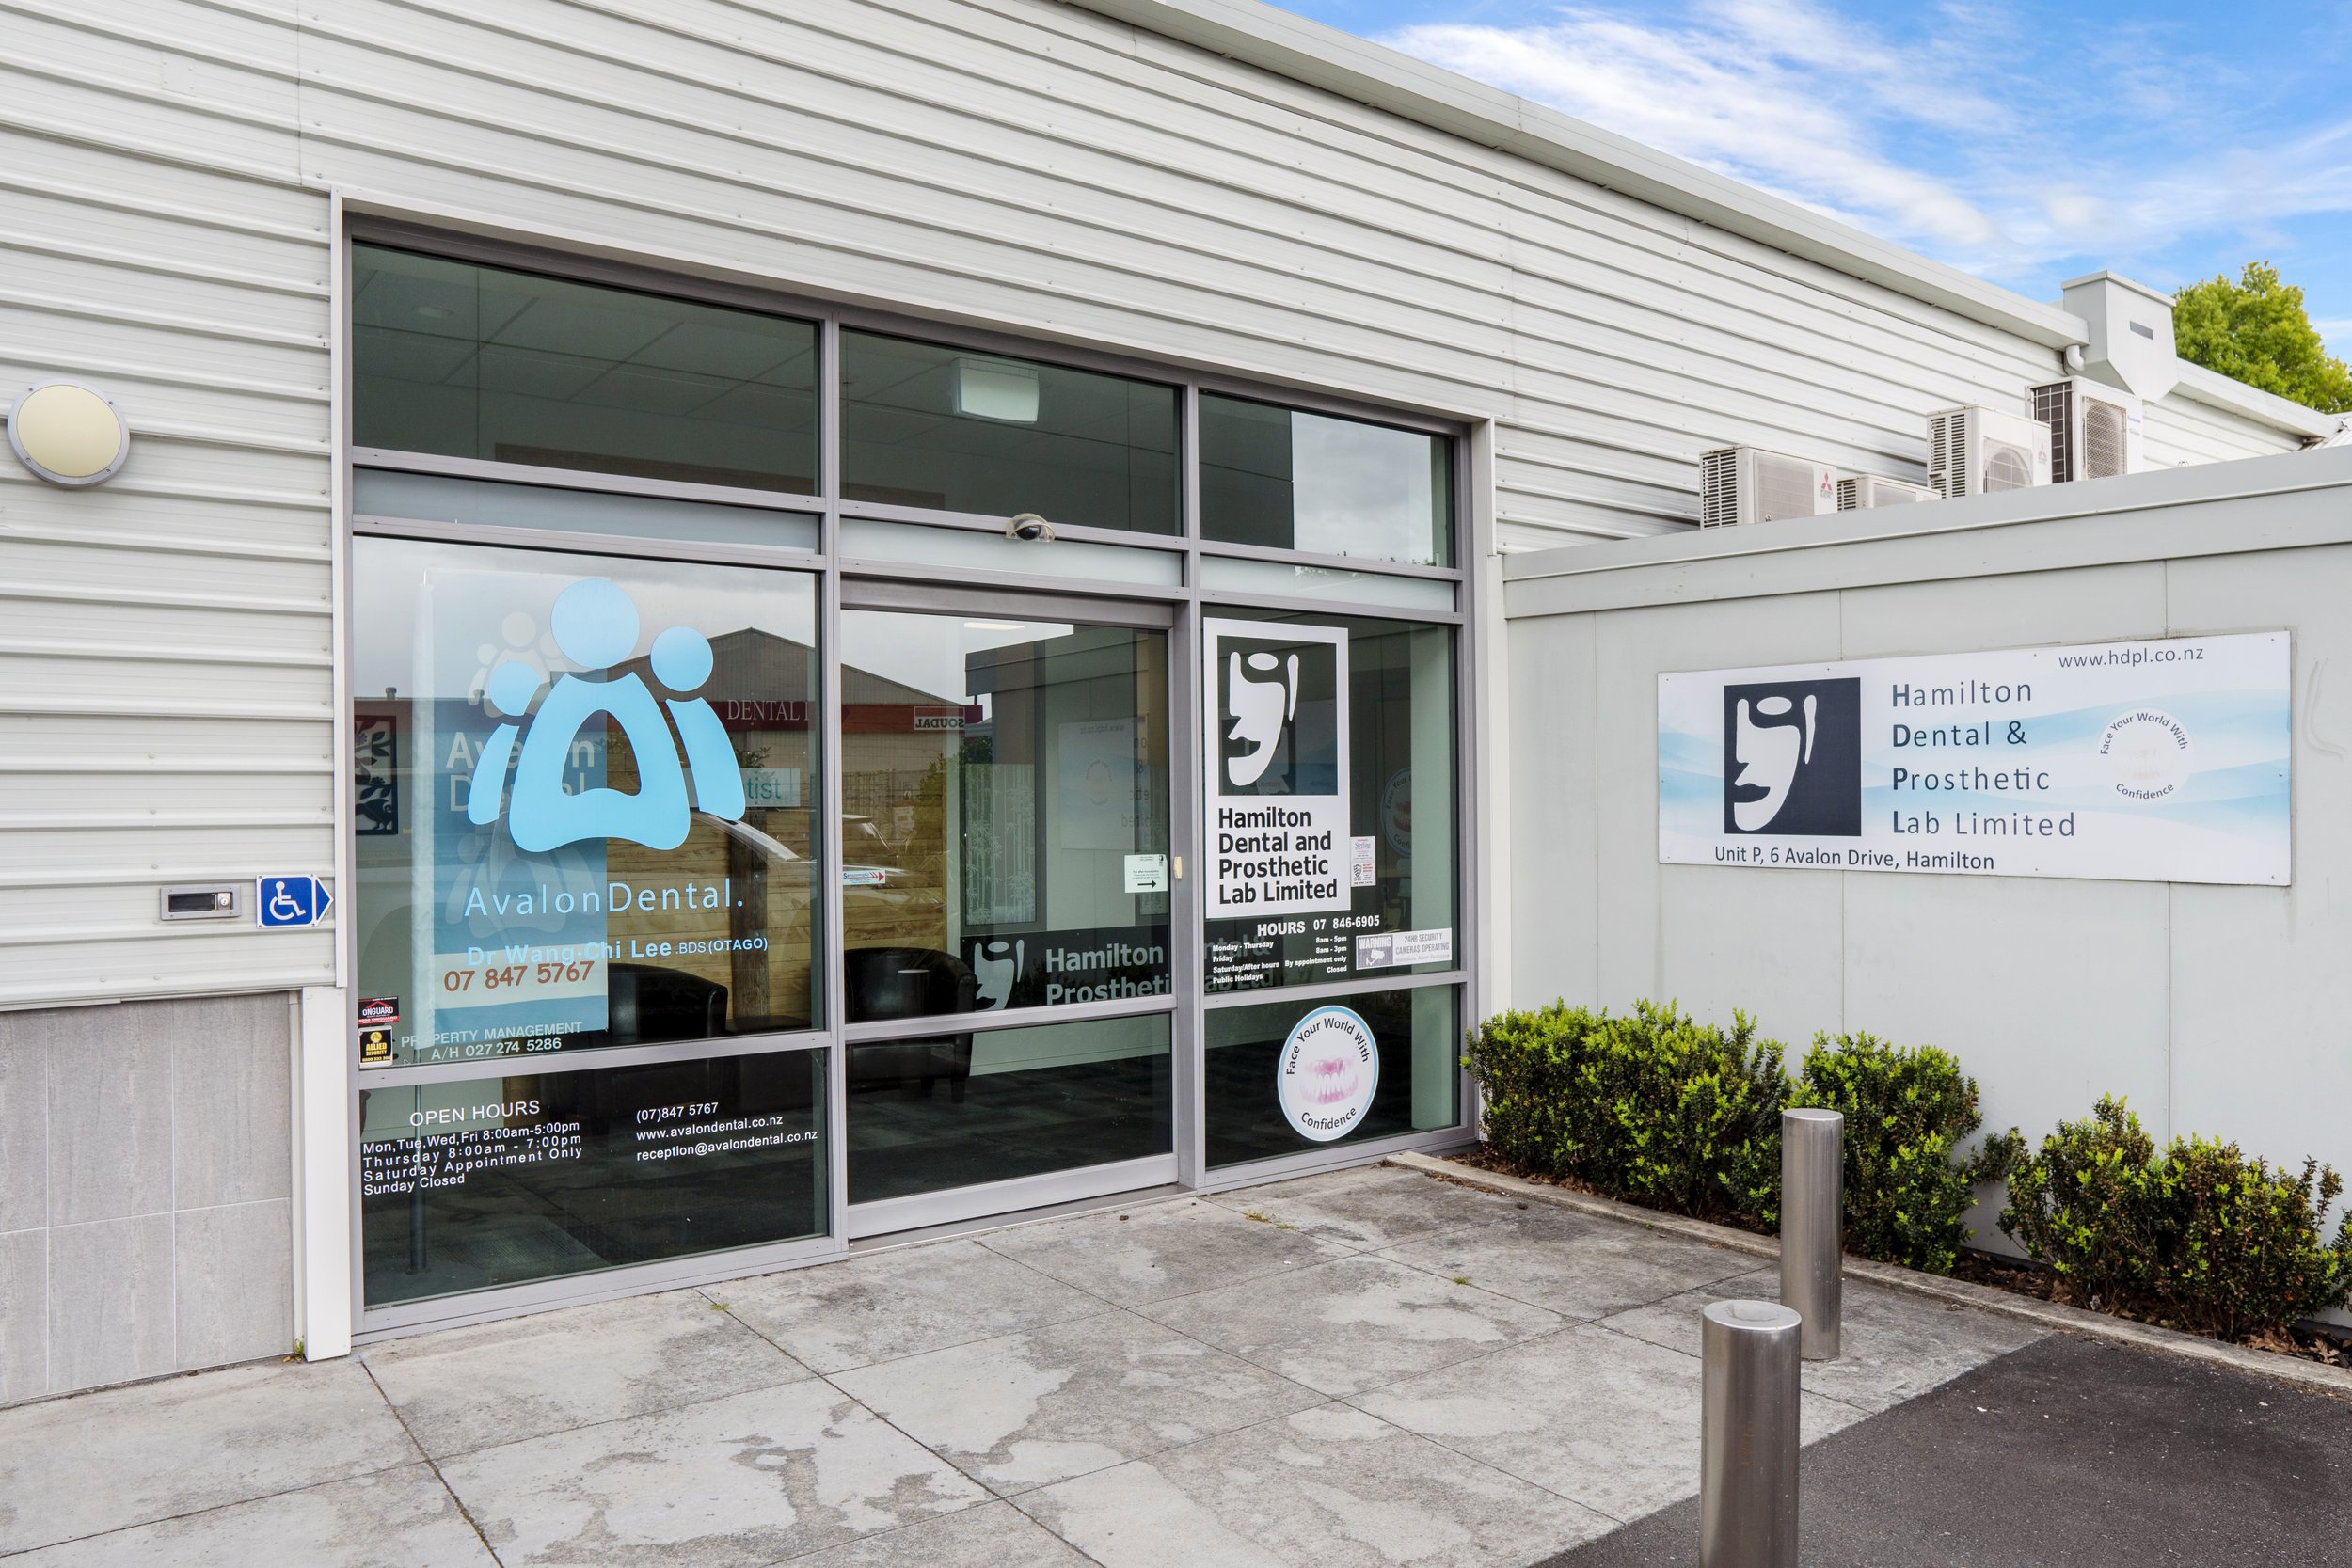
(1277, 754)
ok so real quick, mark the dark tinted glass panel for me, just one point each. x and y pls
(467, 1186)
(1004, 814)
(929, 426)
(1284, 1077)
(585, 792)
(475, 361)
(1294, 481)
(1349, 872)
(951, 1110)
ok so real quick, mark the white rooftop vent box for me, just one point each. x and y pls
(1981, 451)
(2094, 430)
(1858, 492)
(1746, 484)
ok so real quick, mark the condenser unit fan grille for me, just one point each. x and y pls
(2006, 468)
(1786, 487)
(2103, 439)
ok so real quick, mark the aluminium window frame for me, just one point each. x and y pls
(867, 580)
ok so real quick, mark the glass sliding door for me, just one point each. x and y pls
(1004, 885)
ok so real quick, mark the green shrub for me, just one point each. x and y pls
(1653, 1107)
(2197, 1236)
(1906, 1111)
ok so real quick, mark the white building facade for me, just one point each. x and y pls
(469, 353)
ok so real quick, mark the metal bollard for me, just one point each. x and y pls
(1812, 1224)
(1748, 1436)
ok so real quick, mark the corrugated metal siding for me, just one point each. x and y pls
(2182, 430)
(165, 669)
(1011, 162)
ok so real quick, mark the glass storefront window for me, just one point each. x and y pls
(926, 425)
(466, 360)
(585, 790)
(927, 1114)
(495, 503)
(1286, 1077)
(1289, 480)
(472, 1185)
(1004, 814)
(1330, 822)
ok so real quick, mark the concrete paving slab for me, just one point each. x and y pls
(2069, 1450)
(1160, 1250)
(1030, 1409)
(130, 1456)
(1578, 1267)
(1893, 1346)
(1331, 1487)
(1601, 1418)
(465, 1388)
(994, 1535)
(1354, 1323)
(903, 1302)
(402, 1518)
(736, 1482)
(1367, 1208)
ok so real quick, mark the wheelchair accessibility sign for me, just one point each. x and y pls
(287, 902)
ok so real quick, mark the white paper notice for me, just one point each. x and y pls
(1147, 873)
(1361, 870)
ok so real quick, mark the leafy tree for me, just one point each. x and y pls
(2256, 331)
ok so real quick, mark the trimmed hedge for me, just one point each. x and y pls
(2197, 1236)
(1662, 1110)
(1652, 1107)
(1907, 1112)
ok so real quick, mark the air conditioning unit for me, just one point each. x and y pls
(1857, 491)
(1745, 484)
(2094, 430)
(1980, 451)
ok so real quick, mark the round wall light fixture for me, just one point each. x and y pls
(68, 433)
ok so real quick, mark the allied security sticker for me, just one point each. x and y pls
(376, 1045)
(1362, 867)
(379, 1009)
(1325, 1078)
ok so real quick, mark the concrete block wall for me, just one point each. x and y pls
(146, 1190)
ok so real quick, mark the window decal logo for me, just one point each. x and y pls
(996, 966)
(595, 625)
(1792, 758)
(1260, 709)
(1328, 1071)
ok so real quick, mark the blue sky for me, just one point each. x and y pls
(2028, 143)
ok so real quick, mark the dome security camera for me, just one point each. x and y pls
(1029, 526)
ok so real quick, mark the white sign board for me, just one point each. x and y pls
(2164, 761)
(1276, 752)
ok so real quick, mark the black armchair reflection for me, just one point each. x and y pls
(908, 983)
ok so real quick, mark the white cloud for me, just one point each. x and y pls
(1987, 140)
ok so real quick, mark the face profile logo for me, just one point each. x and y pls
(1276, 719)
(596, 627)
(1792, 758)
(1260, 709)
(996, 964)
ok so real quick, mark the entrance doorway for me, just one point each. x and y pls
(1008, 963)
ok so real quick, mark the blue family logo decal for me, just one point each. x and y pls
(595, 625)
